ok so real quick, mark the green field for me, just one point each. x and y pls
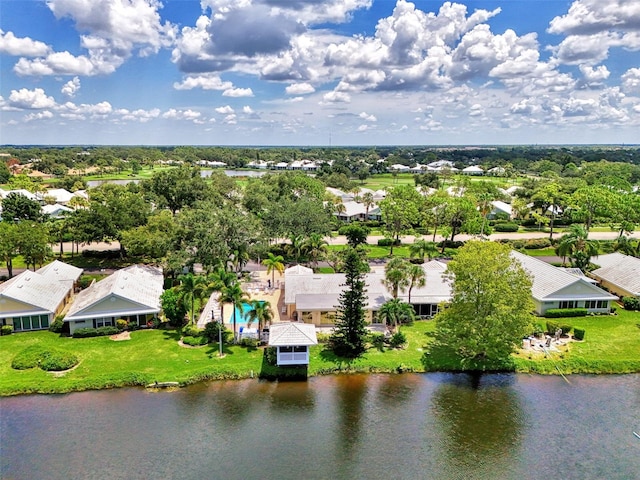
(611, 345)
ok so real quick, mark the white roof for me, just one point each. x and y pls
(549, 281)
(291, 334)
(140, 284)
(354, 208)
(435, 265)
(473, 169)
(60, 271)
(55, 210)
(298, 270)
(338, 193)
(399, 166)
(59, 194)
(44, 292)
(501, 206)
(22, 191)
(619, 269)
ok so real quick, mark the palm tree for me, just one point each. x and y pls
(417, 278)
(577, 246)
(221, 280)
(368, 202)
(191, 287)
(625, 245)
(315, 248)
(295, 247)
(395, 275)
(484, 207)
(274, 263)
(260, 311)
(422, 248)
(396, 311)
(235, 295)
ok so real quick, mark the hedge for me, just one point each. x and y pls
(94, 332)
(552, 327)
(506, 227)
(578, 333)
(195, 341)
(387, 242)
(6, 330)
(631, 303)
(565, 312)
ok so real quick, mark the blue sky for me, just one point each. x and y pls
(319, 72)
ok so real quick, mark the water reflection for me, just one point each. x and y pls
(481, 420)
(351, 392)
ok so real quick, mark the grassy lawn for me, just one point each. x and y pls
(611, 345)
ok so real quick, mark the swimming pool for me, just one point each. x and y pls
(242, 315)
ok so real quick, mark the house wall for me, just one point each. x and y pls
(542, 307)
(326, 317)
(616, 290)
(293, 355)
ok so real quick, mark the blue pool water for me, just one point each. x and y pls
(242, 315)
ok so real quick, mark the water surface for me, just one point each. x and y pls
(339, 427)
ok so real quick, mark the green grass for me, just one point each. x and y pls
(611, 345)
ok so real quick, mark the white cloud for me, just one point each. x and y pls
(70, 88)
(174, 114)
(230, 119)
(299, 89)
(247, 109)
(368, 117)
(21, 47)
(336, 97)
(205, 82)
(631, 81)
(44, 115)
(26, 99)
(238, 92)
(61, 63)
(226, 110)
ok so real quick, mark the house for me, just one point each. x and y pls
(354, 211)
(472, 170)
(292, 340)
(314, 298)
(32, 300)
(618, 273)
(132, 294)
(58, 195)
(498, 208)
(56, 210)
(555, 288)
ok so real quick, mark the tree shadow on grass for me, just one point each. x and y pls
(270, 371)
(341, 363)
(173, 335)
(441, 358)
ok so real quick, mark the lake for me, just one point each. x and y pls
(413, 426)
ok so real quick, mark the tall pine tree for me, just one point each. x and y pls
(348, 338)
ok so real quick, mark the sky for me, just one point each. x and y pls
(319, 72)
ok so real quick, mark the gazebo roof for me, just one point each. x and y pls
(291, 334)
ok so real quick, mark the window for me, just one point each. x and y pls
(17, 324)
(286, 349)
(44, 321)
(299, 349)
(590, 304)
(568, 304)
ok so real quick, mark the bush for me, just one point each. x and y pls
(398, 339)
(6, 330)
(192, 331)
(249, 342)
(537, 243)
(271, 355)
(538, 329)
(387, 242)
(57, 325)
(85, 332)
(578, 333)
(121, 324)
(631, 303)
(195, 341)
(377, 340)
(47, 359)
(323, 337)
(210, 332)
(506, 227)
(565, 312)
(132, 326)
(450, 244)
(106, 330)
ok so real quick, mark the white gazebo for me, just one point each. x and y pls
(292, 340)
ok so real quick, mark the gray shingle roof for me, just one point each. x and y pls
(621, 270)
(550, 282)
(289, 334)
(140, 284)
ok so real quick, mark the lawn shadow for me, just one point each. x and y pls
(173, 335)
(342, 363)
(441, 358)
(213, 350)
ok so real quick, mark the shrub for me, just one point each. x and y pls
(506, 227)
(6, 330)
(211, 333)
(398, 339)
(578, 333)
(450, 244)
(47, 359)
(538, 329)
(249, 342)
(377, 340)
(387, 242)
(552, 326)
(537, 243)
(132, 326)
(85, 332)
(194, 341)
(192, 331)
(631, 303)
(271, 355)
(121, 324)
(106, 330)
(57, 325)
(323, 337)
(565, 312)
(566, 328)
